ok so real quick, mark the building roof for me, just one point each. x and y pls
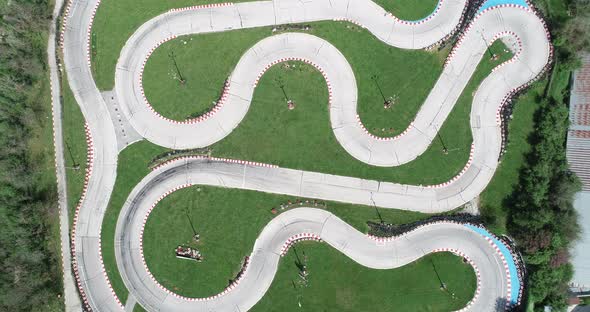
(581, 250)
(578, 142)
(578, 154)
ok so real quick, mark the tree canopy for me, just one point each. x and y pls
(30, 277)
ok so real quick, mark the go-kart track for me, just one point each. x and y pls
(499, 284)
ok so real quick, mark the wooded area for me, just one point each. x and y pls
(541, 214)
(30, 274)
(543, 220)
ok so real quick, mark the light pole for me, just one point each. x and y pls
(377, 211)
(188, 217)
(74, 163)
(173, 58)
(290, 103)
(279, 81)
(443, 286)
(444, 150)
(386, 102)
(487, 46)
(298, 262)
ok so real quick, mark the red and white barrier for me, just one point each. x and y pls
(299, 59)
(204, 6)
(89, 168)
(298, 238)
(346, 19)
(89, 34)
(207, 115)
(460, 174)
(422, 21)
(64, 24)
(210, 158)
(378, 138)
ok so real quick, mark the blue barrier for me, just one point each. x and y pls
(490, 3)
(515, 282)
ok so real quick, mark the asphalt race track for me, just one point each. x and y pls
(499, 286)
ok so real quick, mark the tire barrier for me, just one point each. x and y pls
(291, 241)
(378, 138)
(211, 158)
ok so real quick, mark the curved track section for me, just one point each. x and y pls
(91, 278)
(306, 184)
(493, 290)
(164, 132)
(491, 23)
(525, 28)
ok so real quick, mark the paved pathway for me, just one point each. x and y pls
(71, 298)
(533, 51)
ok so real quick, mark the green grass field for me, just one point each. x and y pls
(138, 308)
(410, 10)
(337, 283)
(229, 221)
(74, 147)
(506, 177)
(116, 20)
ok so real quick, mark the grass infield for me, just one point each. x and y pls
(229, 220)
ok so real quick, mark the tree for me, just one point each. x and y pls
(542, 218)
